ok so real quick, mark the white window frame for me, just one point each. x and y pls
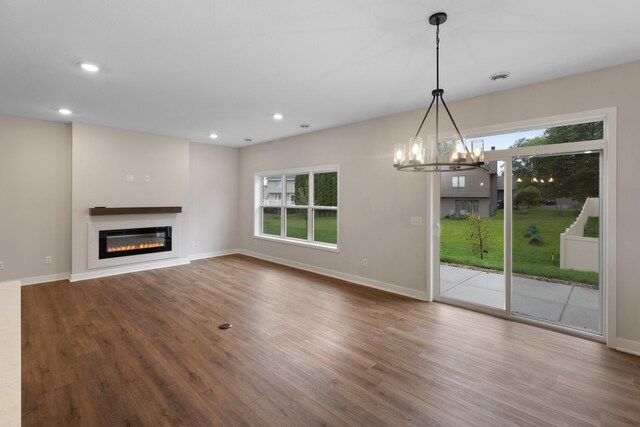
(284, 205)
(460, 181)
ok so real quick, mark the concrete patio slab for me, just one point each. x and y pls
(587, 298)
(537, 308)
(581, 318)
(560, 303)
(489, 281)
(545, 291)
(481, 296)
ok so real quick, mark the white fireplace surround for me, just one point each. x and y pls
(95, 225)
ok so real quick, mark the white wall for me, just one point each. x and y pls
(213, 199)
(103, 157)
(377, 201)
(35, 198)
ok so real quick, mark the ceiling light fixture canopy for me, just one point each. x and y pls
(449, 154)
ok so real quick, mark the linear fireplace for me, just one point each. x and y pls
(133, 241)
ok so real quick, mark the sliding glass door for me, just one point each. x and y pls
(522, 238)
(471, 237)
(555, 240)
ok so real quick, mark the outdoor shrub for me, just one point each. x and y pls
(536, 240)
(530, 231)
(528, 196)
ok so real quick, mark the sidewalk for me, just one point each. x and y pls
(555, 302)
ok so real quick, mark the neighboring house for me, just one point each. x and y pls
(273, 193)
(468, 191)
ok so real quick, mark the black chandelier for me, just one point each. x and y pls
(451, 155)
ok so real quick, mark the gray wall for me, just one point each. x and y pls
(213, 195)
(377, 201)
(36, 188)
(103, 157)
(35, 197)
(477, 184)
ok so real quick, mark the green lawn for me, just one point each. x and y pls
(325, 228)
(528, 259)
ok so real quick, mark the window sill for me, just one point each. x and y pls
(313, 245)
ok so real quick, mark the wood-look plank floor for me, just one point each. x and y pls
(145, 349)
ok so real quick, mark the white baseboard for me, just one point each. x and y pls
(131, 268)
(628, 346)
(204, 255)
(44, 279)
(363, 281)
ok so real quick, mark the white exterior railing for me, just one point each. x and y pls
(578, 252)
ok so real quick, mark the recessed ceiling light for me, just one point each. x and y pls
(248, 140)
(499, 76)
(213, 135)
(278, 116)
(304, 126)
(89, 67)
(64, 111)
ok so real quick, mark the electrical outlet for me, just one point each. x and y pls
(48, 259)
(130, 178)
(147, 178)
(1, 265)
(365, 262)
(416, 220)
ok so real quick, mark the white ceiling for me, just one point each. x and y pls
(192, 67)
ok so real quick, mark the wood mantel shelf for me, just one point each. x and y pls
(135, 211)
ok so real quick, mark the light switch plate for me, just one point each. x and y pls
(416, 220)
(131, 178)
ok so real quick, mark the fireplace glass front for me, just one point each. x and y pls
(133, 241)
